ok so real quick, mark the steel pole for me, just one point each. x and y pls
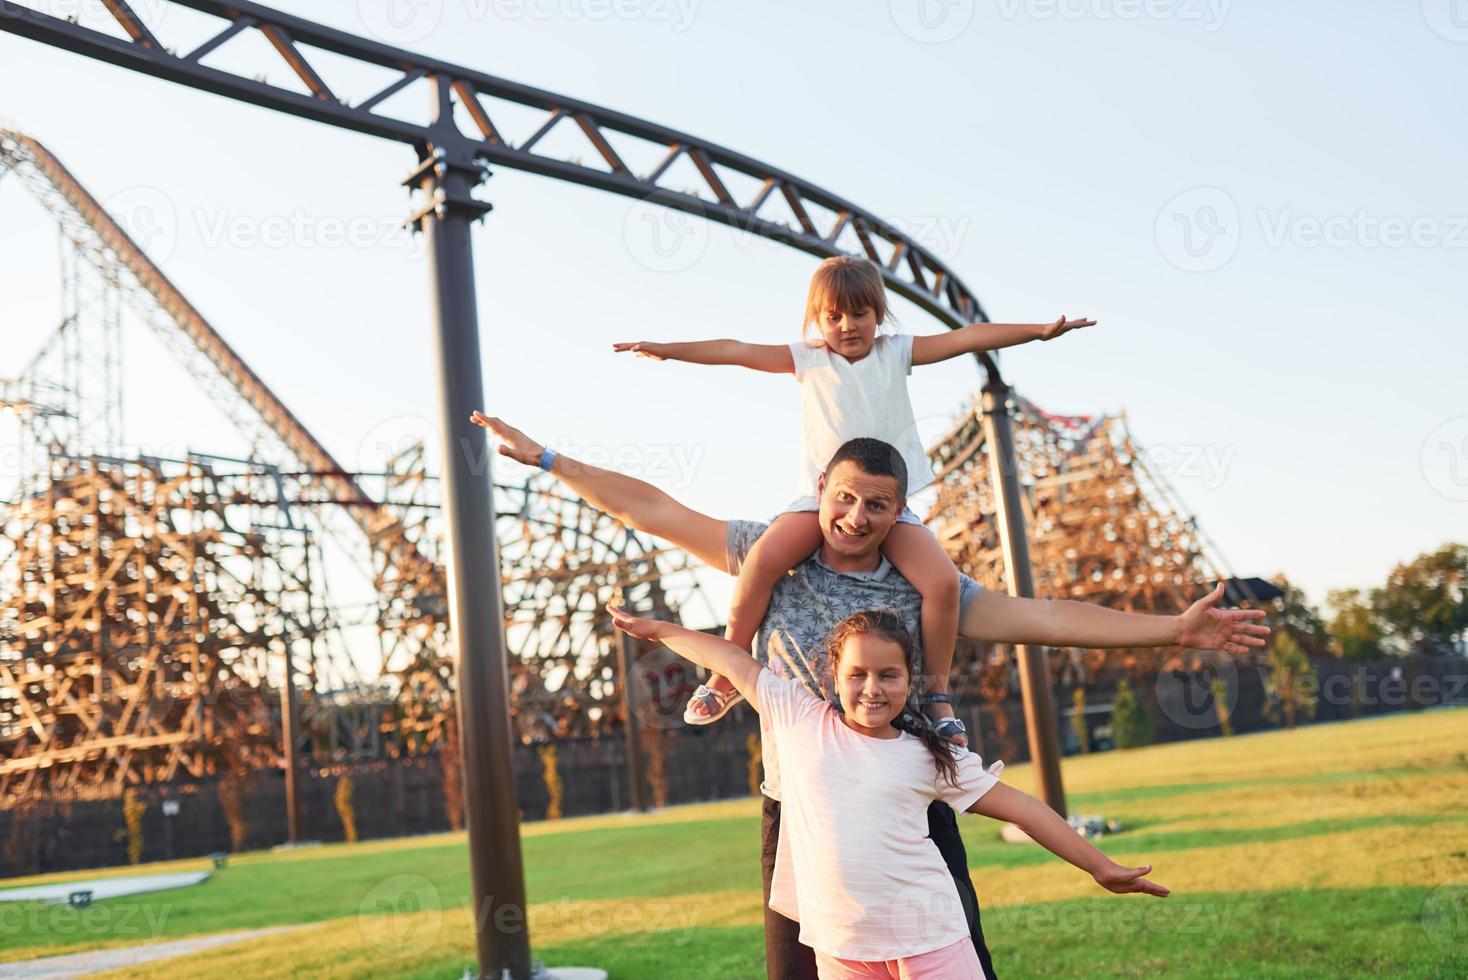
(636, 772)
(289, 735)
(1034, 672)
(476, 613)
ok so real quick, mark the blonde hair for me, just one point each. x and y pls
(847, 283)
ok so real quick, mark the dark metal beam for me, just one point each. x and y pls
(950, 302)
(1036, 691)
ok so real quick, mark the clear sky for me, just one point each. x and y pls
(1262, 203)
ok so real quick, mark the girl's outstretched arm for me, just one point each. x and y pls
(975, 337)
(774, 358)
(1049, 829)
(712, 652)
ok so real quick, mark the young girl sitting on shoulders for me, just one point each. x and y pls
(853, 383)
(854, 865)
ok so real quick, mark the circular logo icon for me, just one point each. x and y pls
(400, 21)
(924, 914)
(1445, 914)
(400, 916)
(1198, 230)
(148, 217)
(399, 441)
(664, 239)
(1445, 458)
(1448, 19)
(1190, 686)
(932, 21)
(660, 684)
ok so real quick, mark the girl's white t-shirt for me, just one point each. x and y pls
(854, 864)
(843, 400)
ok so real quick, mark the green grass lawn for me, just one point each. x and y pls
(1332, 850)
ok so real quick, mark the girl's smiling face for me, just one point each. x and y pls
(872, 682)
(849, 333)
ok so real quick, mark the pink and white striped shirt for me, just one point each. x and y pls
(854, 830)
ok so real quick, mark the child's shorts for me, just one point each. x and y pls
(959, 961)
(812, 504)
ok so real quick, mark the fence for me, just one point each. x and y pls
(395, 798)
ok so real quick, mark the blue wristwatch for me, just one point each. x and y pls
(547, 459)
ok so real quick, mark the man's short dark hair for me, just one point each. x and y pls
(873, 457)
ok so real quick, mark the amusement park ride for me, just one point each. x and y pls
(143, 600)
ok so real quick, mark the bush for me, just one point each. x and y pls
(1130, 724)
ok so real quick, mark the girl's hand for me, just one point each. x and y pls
(644, 629)
(1122, 880)
(513, 443)
(1204, 628)
(1052, 330)
(643, 348)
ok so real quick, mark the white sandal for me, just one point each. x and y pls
(717, 702)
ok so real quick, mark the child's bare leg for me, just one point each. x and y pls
(917, 554)
(791, 539)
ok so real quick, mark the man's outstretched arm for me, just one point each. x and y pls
(637, 504)
(998, 618)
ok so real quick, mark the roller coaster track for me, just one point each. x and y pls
(823, 224)
(233, 386)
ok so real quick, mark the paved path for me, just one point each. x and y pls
(98, 960)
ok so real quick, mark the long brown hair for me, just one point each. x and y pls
(886, 624)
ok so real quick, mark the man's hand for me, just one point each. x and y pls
(1052, 330)
(513, 443)
(643, 348)
(1203, 627)
(1120, 879)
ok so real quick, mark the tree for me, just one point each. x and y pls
(1355, 630)
(1078, 720)
(1293, 612)
(1130, 723)
(1288, 666)
(1425, 601)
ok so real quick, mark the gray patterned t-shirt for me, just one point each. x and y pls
(806, 605)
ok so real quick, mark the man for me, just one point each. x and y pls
(861, 493)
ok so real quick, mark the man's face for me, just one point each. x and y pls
(857, 509)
